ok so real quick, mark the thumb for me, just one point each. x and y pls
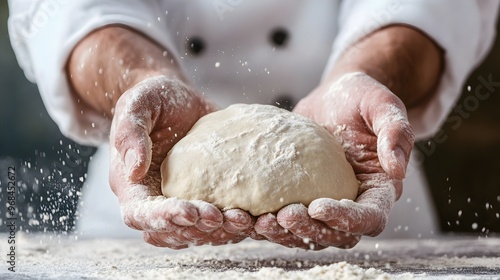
(395, 138)
(129, 135)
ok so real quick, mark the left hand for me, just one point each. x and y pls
(149, 119)
(371, 124)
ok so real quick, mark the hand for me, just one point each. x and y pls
(371, 124)
(148, 120)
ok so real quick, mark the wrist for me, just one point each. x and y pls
(399, 57)
(109, 61)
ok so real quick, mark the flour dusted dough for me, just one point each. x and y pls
(257, 158)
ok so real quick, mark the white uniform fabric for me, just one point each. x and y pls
(240, 62)
(236, 35)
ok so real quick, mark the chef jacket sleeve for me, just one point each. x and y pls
(43, 33)
(464, 29)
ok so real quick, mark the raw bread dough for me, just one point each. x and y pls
(257, 158)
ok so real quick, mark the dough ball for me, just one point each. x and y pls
(258, 158)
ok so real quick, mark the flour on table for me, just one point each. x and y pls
(337, 271)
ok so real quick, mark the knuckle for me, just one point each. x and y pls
(130, 221)
(151, 239)
(353, 242)
(379, 226)
(131, 224)
(407, 133)
(119, 138)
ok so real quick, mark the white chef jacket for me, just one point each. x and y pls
(233, 51)
(239, 61)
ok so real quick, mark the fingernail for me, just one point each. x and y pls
(400, 158)
(130, 160)
(237, 218)
(185, 214)
(289, 224)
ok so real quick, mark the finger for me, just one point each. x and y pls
(178, 238)
(367, 216)
(296, 219)
(163, 240)
(194, 236)
(191, 236)
(158, 214)
(129, 135)
(394, 145)
(236, 221)
(222, 237)
(268, 226)
(395, 136)
(182, 236)
(209, 217)
(207, 230)
(252, 233)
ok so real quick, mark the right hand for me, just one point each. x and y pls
(371, 124)
(149, 119)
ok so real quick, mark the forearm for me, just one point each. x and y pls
(111, 60)
(403, 59)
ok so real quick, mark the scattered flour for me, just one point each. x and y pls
(56, 257)
(337, 271)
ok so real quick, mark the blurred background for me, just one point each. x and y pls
(462, 163)
(50, 169)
